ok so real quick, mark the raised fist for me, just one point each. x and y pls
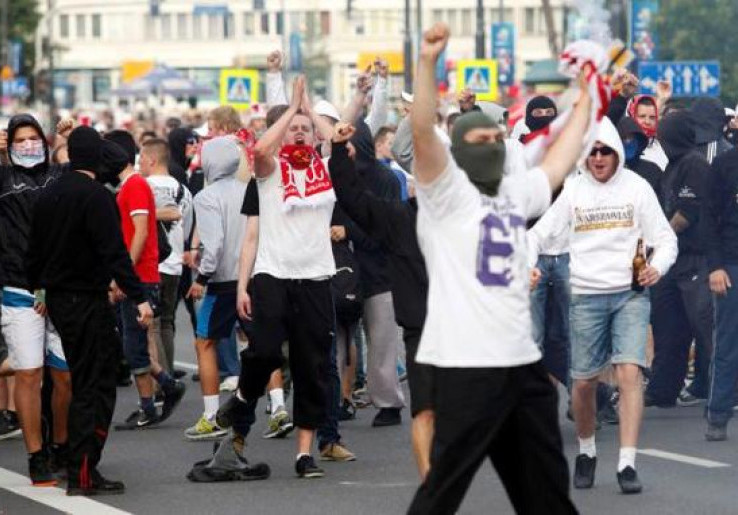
(274, 61)
(434, 41)
(342, 132)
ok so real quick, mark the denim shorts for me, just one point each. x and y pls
(135, 338)
(608, 328)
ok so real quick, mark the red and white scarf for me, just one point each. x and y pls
(318, 185)
(574, 58)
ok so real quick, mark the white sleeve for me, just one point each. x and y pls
(378, 113)
(532, 189)
(555, 224)
(450, 195)
(656, 231)
(275, 93)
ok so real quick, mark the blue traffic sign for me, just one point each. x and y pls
(17, 87)
(688, 78)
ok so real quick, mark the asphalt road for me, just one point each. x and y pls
(692, 477)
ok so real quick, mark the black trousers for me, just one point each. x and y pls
(300, 312)
(92, 346)
(509, 415)
(681, 310)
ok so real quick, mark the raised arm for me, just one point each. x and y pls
(364, 85)
(268, 145)
(564, 152)
(275, 92)
(322, 126)
(378, 112)
(430, 155)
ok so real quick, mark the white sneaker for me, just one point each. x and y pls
(229, 384)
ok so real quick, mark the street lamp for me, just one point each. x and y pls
(408, 51)
(480, 30)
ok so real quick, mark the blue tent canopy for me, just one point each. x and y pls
(162, 80)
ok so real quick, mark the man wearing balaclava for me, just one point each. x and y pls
(539, 113)
(26, 330)
(75, 250)
(477, 333)
(682, 302)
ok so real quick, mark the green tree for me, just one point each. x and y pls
(702, 30)
(23, 18)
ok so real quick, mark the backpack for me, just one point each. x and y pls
(346, 285)
(162, 231)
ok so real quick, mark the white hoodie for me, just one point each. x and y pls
(603, 222)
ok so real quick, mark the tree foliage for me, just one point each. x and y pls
(702, 30)
(23, 18)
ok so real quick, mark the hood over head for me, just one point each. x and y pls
(608, 135)
(633, 108)
(629, 130)
(177, 143)
(124, 140)
(484, 163)
(709, 120)
(366, 155)
(26, 120)
(221, 158)
(677, 134)
(90, 152)
(538, 123)
(496, 112)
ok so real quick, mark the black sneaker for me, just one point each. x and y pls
(387, 417)
(347, 411)
(649, 401)
(99, 486)
(139, 419)
(172, 396)
(306, 467)
(178, 373)
(232, 408)
(38, 468)
(59, 459)
(9, 426)
(629, 482)
(584, 471)
(716, 433)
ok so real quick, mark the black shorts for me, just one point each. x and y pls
(218, 315)
(420, 377)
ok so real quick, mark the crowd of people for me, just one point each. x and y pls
(322, 253)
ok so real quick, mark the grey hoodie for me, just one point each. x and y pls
(218, 210)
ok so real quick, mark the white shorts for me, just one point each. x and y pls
(32, 339)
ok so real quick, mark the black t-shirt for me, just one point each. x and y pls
(251, 200)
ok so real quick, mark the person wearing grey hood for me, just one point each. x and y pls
(221, 228)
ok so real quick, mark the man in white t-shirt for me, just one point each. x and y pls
(173, 212)
(492, 395)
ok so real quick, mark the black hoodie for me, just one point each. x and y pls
(685, 178)
(709, 119)
(721, 215)
(629, 129)
(383, 184)
(19, 190)
(177, 158)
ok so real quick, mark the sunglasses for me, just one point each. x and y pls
(603, 151)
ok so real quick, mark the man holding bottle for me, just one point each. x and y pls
(605, 210)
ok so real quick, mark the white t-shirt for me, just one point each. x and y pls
(475, 251)
(294, 244)
(165, 189)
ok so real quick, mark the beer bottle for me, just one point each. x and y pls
(639, 263)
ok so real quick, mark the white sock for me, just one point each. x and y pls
(277, 398)
(627, 458)
(587, 446)
(212, 402)
(239, 396)
(300, 455)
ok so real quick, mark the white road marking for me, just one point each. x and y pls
(186, 366)
(53, 497)
(683, 458)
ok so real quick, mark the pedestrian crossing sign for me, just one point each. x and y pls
(239, 88)
(479, 76)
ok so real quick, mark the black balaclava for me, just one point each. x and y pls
(483, 162)
(124, 140)
(677, 134)
(89, 152)
(538, 123)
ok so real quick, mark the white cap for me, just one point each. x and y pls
(325, 108)
(202, 130)
(407, 97)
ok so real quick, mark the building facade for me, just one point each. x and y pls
(98, 43)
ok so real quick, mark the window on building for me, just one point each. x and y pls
(215, 26)
(229, 26)
(507, 15)
(197, 26)
(279, 22)
(529, 26)
(374, 21)
(437, 15)
(325, 23)
(166, 26)
(451, 16)
(96, 26)
(466, 22)
(81, 25)
(181, 26)
(358, 19)
(149, 28)
(248, 24)
(64, 25)
(265, 23)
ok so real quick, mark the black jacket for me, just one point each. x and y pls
(19, 190)
(629, 129)
(721, 214)
(391, 223)
(684, 184)
(76, 243)
(373, 262)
